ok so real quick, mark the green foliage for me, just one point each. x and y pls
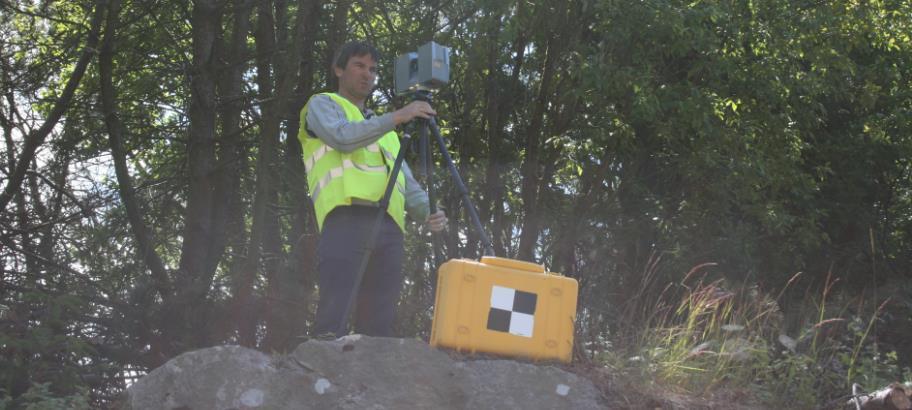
(801, 375)
(40, 397)
(39, 346)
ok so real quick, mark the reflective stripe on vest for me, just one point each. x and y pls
(320, 152)
(337, 173)
(337, 178)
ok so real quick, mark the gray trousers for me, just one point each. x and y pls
(339, 255)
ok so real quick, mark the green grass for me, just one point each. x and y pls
(699, 336)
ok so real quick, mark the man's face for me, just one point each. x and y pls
(358, 78)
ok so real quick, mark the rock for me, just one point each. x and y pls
(377, 372)
(355, 372)
(223, 377)
(505, 384)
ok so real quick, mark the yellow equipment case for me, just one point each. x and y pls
(504, 306)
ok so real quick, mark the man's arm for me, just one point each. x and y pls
(327, 120)
(416, 200)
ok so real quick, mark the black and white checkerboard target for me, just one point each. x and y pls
(512, 311)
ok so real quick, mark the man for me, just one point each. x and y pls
(348, 155)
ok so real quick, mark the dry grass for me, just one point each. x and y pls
(703, 343)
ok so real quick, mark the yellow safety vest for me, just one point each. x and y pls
(334, 177)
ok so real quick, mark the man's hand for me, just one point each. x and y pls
(419, 109)
(436, 221)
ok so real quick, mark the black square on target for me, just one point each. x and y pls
(524, 302)
(499, 320)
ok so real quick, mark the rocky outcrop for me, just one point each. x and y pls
(355, 373)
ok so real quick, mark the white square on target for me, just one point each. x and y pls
(502, 298)
(521, 324)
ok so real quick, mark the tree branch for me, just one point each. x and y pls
(37, 137)
(85, 209)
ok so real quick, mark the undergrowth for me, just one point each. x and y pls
(701, 336)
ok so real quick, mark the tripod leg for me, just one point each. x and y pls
(423, 155)
(473, 213)
(371, 240)
(432, 198)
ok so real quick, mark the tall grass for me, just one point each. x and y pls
(701, 333)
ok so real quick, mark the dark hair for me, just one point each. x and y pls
(354, 48)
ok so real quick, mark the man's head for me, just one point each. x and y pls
(355, 66)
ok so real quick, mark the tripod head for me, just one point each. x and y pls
(418, 94)
(422, 94)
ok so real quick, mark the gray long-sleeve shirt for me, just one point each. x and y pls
(327, 120)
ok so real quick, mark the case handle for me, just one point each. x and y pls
(513, 264)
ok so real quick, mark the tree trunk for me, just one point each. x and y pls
(297, 274)
(189, 318)
(287, 285)
(227, 213)
(116, 131)
(205, 22)
(500, 100)
(264, 196)
(531, 174)
(335, 37)
(568, 238)
(271, 126)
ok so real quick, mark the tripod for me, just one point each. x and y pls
(425, 154)
(426, 165)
